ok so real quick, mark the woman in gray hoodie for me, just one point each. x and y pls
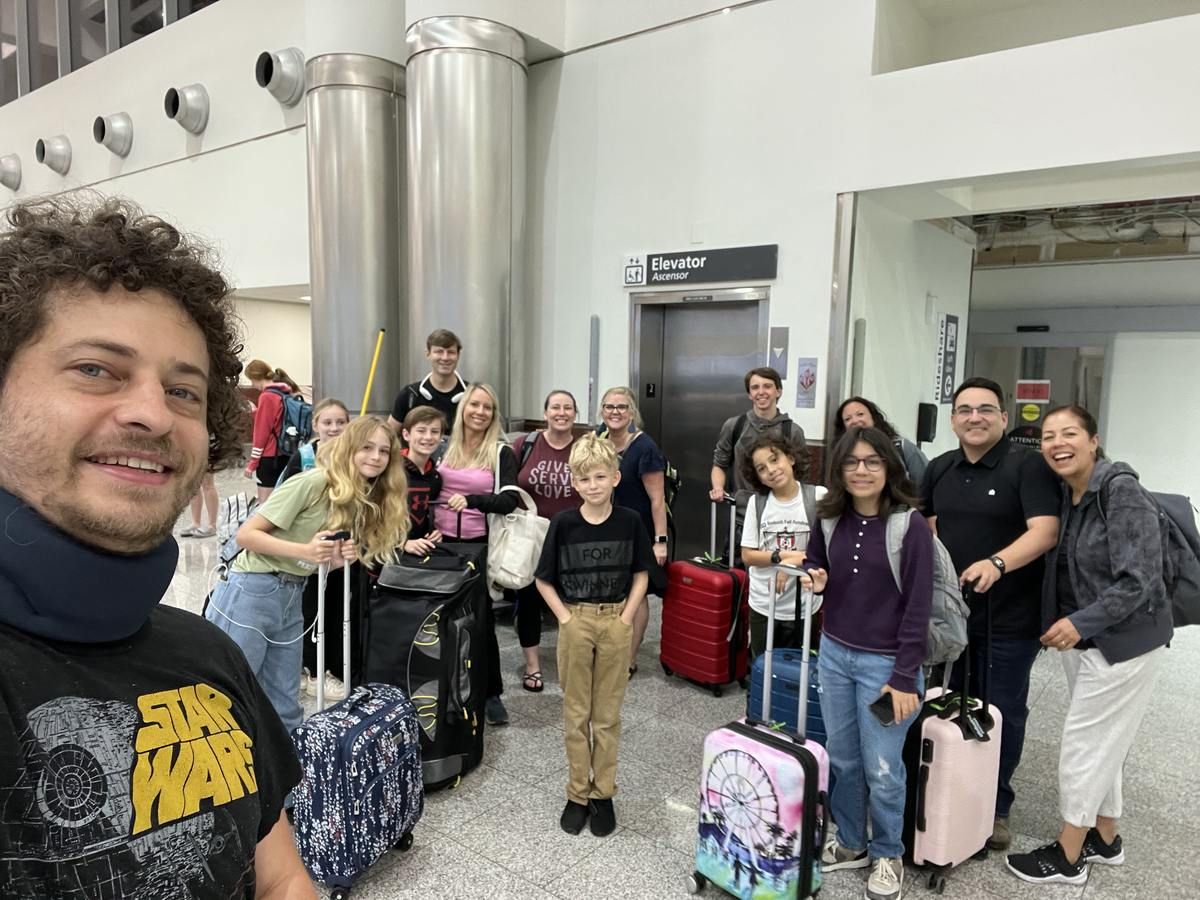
(1105, 609)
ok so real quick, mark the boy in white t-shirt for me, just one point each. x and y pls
(779, 534)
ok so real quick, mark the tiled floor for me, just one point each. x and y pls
(497, 835)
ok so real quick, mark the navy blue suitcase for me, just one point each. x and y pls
(785, 692)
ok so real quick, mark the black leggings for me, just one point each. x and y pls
(495, 677)
(529, 615)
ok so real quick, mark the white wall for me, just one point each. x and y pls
(1147, 384)
(897, 265)
(1156, 282)
(280, 334)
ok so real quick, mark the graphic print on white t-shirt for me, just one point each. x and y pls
(785, 526)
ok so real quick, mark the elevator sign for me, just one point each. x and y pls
(702, 266)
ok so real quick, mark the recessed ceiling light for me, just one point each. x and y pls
(305, 297)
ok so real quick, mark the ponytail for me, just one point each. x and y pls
(283, 378)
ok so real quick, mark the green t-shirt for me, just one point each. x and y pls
(298, 509)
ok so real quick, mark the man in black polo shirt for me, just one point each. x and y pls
(994, 505)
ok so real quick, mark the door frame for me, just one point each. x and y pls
(697, 297)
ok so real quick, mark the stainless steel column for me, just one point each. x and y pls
(466, 195)
(356, 128)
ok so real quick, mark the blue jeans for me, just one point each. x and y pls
(866, 757)
(1012, 660)
(263, 614)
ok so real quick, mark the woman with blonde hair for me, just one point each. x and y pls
(358, 486)
(477, 463)
(642, 487)
(266, 459)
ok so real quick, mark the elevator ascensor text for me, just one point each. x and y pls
(702, 266)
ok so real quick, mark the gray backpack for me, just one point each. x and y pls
(947, 636)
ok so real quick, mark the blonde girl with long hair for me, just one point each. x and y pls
(475, 452)
(358, 486)
(642, 488)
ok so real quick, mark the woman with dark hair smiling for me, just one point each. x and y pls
(859, 412)
(873, 643)
(1106, 611)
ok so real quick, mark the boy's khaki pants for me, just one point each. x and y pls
(593, 668)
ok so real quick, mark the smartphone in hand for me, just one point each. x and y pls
(882, 710)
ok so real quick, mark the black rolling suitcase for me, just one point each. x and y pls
(426, 630)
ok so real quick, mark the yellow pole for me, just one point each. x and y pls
(371, 376)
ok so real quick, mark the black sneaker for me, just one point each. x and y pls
(1096, 851)
(604, 817)
(1047, 865)
(494, 711)
(574, 815)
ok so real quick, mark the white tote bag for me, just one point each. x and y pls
(514, 540)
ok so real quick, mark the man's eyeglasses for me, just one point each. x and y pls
(615, 407)
(964, 412)
(873, 463)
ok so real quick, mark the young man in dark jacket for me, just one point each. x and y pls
(137, 753)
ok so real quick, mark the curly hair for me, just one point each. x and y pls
(60, 244)
(773, 439)
(374, 512)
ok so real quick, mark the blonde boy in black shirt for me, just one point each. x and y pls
(593, 575)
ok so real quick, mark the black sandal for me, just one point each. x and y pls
(534, 678)
(632, 671)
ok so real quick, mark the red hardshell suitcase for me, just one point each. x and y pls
(705, 617)
(953, 763)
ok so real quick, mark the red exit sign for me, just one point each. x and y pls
(1033, 391)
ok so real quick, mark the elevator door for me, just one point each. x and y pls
(692, 359)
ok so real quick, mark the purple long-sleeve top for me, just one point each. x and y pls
(864, 609)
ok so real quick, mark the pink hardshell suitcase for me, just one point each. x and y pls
(763, 795)
(953, 763)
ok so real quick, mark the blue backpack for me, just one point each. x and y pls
(295, 424)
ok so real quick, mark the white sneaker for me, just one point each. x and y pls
(834, 856)
(334, 688)
(308, 684)
(887, 879)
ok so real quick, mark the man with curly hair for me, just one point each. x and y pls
(138, 755)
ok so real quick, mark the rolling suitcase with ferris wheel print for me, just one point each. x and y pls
(763, 796)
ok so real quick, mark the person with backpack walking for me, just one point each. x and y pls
(642, 488)
(994, 504)
(544, 472)
(358, 487)
(1107, 612)
(874, 636)
(764, 386)
(330, 418)
(477, 460)
(859, 412)
(267, 454)
(779, 516)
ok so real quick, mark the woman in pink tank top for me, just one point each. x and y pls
(476, 451)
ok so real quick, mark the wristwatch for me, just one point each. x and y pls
(660, 539)
(998, 563)
(776, 559)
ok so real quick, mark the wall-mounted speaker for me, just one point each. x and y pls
(926, 422)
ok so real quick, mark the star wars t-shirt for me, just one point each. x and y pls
(142, 769)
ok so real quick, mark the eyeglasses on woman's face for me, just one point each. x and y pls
(873, 463)
(616, 407)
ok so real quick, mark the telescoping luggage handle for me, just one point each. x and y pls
(319, 630)
(804, 594)
(727, 500)
(975, 724)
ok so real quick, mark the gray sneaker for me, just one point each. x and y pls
(834, 856)
(886, 880)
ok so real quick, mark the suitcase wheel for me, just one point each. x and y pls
(405, 843)
(716, 691)
(339, 893)
(667, 670)
(937, 882)
(696, 883)
(744, 684)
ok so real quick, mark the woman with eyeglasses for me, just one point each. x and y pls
(872, 646)
(642, 487)
(859, 412)
(1106, 611)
